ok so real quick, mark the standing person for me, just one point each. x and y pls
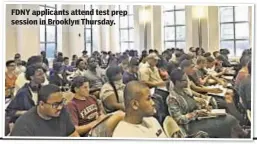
(139, 108)
(48, 118)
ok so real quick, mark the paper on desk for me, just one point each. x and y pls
(218, 111)
(224, 90)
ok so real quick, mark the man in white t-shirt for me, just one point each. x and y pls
(139, 108)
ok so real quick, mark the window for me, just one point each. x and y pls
(126, 28)
(234, 29)
(88, 33)
(48, 33)
(174, 26)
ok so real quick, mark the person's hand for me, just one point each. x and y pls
(228, 98)
(224, 84)
(216, 90)
(202, 112)
(208, 108)
(201, 101)
(100, 118)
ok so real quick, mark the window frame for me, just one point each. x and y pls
(234, 22)
(129, 42)
(45, 42)
(175, 26)
(91, 32)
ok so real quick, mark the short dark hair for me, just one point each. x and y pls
(60, 54)
(46, 91)
(245, 60)
(30, 71)
(210, 59)
(150, 51)
(176, 75)
(215, 52)
(78, 61)
(90, 59)
(42, 52)
(185, 63)
(132, 89)
(220, 58)
(9, 62)
(112, 71)
(34, 59)
(200, 59)
(134, 62)
(78, 82)
(207, 54)
(84, 52)
(74, 56)
(65, 58)
(17, 55)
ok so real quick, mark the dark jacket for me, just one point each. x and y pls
(56, 80)
(22, 102)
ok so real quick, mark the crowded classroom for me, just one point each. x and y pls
(162, 71)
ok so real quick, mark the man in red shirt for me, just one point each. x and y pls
(85, 111)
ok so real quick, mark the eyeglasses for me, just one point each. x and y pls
(57, 104)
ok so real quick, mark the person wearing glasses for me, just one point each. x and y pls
(47, 118)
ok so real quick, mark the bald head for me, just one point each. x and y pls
(133, 90)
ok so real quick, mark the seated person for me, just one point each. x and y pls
(21, 79)
(216, 53)
(27, 96)
(111, 93)
(225, 62)
(10, 77)
(67, 68)
(243, 72)
(95, 75)
(150, 74)
(200, 76)
(244, 89)
(58, 77)
(131, 73)
(81, 69)
(211, 68)
(48, 118)
(185, 111)
(139, 108)
(85, 111)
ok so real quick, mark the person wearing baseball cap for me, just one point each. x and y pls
(149, 74)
